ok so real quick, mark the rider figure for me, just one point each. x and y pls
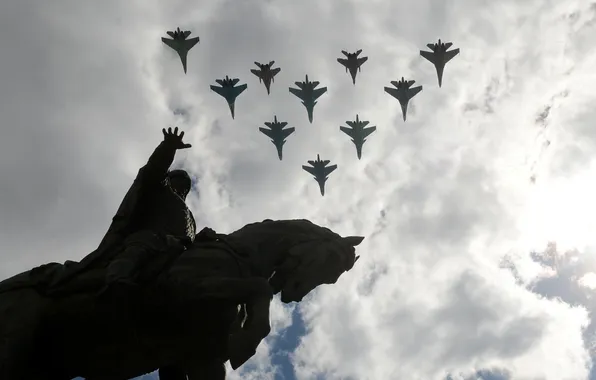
(159, 217)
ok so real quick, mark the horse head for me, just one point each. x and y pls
(307, 255)
(313, 263)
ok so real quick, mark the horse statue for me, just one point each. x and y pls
(208, 305)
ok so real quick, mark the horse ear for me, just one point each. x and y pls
(353, 240)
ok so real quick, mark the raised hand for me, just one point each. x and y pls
(174, 139)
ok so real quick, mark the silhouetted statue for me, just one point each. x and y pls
(186, 306)
(152, 219)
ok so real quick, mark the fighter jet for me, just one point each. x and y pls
(277, 134)
(308, 94)
(266, 73)
(180, 43)
(358, 133)
(229, 91)
(353, 63)
(403, 93)
(439, 56)
(320, 171)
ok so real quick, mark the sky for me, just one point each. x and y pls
(480, 258)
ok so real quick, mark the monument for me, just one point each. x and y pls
(156, 295)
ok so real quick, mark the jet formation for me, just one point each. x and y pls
(320, 171)
(358, 133)
(439, 56)
(352, 63)
(229, 90)
(403, 93)
(308, 92)
(181, 44)
(266, 74)
(277, 134)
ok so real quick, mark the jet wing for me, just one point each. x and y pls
(219, 90)
(362, 60)
(283, 134)
(413, 91)
(329, 169)
(310, 169)
(187, 33)
(171, 43)
(286, 132)
(188, 44)
(343, 61)
(238, 90)
(274, 72)
(392, 91)
(368, 131)
(276, 136)
(451, 54)
(257, 73)
(428, 55)
(319, 92)
(297, 92)
(267, 132)
(347, 131)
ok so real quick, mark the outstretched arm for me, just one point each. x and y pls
(162, 158)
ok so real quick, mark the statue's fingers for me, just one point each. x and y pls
(164, 131)
(186, 146)
(181, 134)
(176, 130)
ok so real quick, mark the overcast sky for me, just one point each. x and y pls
(458, 204)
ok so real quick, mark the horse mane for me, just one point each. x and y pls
(299, 228)
(287, 233)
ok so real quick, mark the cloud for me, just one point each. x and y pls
(441, 198)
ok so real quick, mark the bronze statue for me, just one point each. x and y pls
(152, 219)
(159, 216)
(196, 303)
